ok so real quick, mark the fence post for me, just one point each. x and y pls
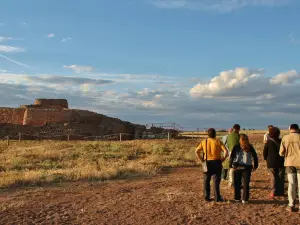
(168, 136)
(120, 137)
(20, 137)
(68, 137)
(7, 140)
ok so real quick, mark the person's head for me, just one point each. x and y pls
(230, 130)
(270, 126)
(244, 142)
(211, 133)
(236, 127)
(274, 132)
(294, 128)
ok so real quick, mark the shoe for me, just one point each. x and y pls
(231, 185)
(245, 202)
(290, 209)
(208, 199)
(272, 195)
(236, 200)
(220, 200)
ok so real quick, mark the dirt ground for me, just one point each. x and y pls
(171, 197)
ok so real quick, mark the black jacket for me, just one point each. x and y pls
(237, 149)
(271, 154)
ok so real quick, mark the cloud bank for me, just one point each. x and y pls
(217, 5)
(79, 69)
(242, 95)
(11, 49)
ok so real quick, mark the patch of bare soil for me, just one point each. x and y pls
(173, 197)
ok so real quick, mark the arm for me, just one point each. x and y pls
(265, 152)
(232, 156)
(255, 158)
(198, 150)
(282, 148)
(224, 149)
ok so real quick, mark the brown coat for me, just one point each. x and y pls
(290, 149)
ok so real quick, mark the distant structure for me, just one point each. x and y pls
(53, 117)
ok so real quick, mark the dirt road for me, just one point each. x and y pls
(173, 197)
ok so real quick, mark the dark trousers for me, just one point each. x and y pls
(239, 175)
(277, 180)
(214, 171)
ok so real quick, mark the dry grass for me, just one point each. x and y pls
(35, 163)
(201, 134)
(32, 163)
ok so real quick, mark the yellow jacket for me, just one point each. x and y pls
(214, 149)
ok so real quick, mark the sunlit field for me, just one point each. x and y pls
(31, 163)
(202, 134)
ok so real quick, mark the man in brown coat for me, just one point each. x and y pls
(290, 149)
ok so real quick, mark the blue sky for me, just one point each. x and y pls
(155, 60)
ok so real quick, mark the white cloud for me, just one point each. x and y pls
(5, 39)
(10, 49)
(79, 69)
(51, 35)
(232, 83)
(66, 39)
(216, 5)
(285, 78)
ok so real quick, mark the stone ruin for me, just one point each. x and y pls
(52, 118)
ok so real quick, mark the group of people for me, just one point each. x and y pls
(234, 158)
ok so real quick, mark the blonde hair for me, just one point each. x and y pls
(244, 143)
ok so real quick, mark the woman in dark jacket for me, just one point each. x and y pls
(242, 158)
(275, 162)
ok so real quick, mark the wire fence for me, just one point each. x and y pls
(72, 137)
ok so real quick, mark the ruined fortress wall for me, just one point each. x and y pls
(52, 103)
(84, 116)
(11, 115)
(101, 124)
(39, 117)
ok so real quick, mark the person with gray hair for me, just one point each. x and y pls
(290, 149)
(226, 162)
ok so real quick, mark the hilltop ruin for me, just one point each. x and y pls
(53, 117)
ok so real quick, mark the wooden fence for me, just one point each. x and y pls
(69, 137)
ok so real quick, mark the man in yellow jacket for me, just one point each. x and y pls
(212, 149)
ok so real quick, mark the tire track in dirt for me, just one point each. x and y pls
(168, 198)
